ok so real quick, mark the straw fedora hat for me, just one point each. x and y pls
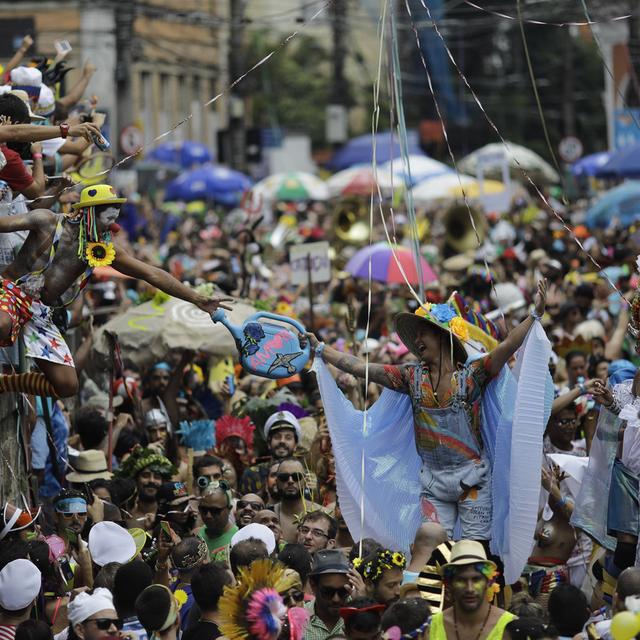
(466, 552)
(89, 465)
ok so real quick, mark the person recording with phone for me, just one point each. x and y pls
(71, 514)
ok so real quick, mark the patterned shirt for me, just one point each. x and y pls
(218, 547)
(254, 478)
(475, 377)
(7, 631)
(316, 629)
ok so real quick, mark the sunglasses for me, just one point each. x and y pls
(295, 596)
(104, 624)
(69, 514)
(214, 511)
(296, 477)
(243, 504)
(329, 593)
(566, 421)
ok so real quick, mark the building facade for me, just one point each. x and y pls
(158, 61)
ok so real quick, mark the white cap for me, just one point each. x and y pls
(109, 542)
(83, 606)
(258, 531)
(46, 101)
(20, 582)
(286, 418)
(26, 77)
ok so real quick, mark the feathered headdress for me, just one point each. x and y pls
(253, 607)
(228, 426)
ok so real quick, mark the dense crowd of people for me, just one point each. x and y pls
(459, 466)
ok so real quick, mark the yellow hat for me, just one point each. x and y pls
(97, 194)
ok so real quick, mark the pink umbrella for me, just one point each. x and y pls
(384, 267)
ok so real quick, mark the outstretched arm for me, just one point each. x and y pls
(36, 220)
(130, 266)
(388, 376)
(503, 352)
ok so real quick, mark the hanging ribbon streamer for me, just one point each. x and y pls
(535, 89)
(450, 150)
(508, 150)
(606, 66)
(222, 93)
(404, 149)
(588, 23)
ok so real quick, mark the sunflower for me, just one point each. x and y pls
(100, 254)
(181, 596)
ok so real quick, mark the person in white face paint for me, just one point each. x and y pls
(58, 251)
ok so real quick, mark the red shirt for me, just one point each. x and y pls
(15, 172)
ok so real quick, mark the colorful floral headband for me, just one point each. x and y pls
(373, 568)
(447, 317)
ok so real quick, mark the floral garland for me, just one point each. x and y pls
(446, 316)
(372, 568)
(141, 458)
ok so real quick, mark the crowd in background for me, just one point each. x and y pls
(127, 518)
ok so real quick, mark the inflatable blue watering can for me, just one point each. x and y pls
(267, 349)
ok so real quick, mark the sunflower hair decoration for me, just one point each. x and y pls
(253, 607)
(372, 567)
(100, 254)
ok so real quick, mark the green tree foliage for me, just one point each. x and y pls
(291, 91)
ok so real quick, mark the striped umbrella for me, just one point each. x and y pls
(384, 267)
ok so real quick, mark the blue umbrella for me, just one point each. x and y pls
(209, 182)
(186, 154)
(360, 150)
(166, 153)
(624, 163)
(622, 203)
(590, 165)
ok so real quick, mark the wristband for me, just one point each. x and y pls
(319, 349)
(36, 156)
(535, 315)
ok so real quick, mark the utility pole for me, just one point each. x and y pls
(125, 13)
(568, 104)
(236, 141)
(337, 124)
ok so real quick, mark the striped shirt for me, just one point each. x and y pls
(7, 631)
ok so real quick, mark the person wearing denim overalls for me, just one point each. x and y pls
(446, 389)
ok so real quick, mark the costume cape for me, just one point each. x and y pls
(378, 467)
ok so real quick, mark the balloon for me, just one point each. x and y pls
(625, 625)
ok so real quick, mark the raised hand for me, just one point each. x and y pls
(541, 297)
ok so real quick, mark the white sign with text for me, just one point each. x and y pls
(318, 254)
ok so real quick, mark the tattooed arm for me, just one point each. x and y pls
(389, 376)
